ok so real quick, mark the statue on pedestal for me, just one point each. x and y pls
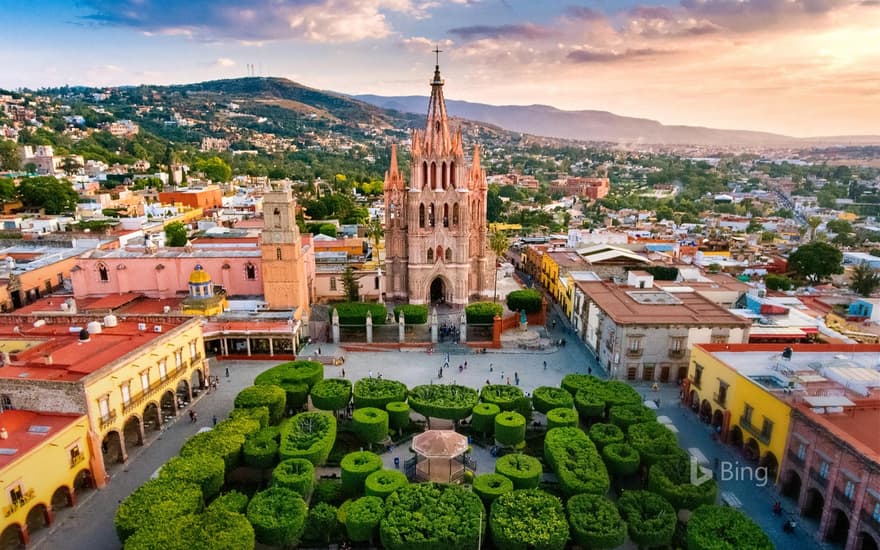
(523, 320)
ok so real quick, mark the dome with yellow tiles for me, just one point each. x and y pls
(199, 276)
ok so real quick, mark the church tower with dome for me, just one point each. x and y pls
(202, 299)
(436, 243)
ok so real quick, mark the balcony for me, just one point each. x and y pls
(677, 353)
(107, 420)
(720, 398)
(817, 477)
(141, 398)
(844, 500)
(634, 352)
(76, 459)
(19, 503)
(746, 424)
(795, 459)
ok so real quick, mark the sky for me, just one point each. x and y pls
(798, 67)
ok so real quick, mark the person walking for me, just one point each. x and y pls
(545, 365)
(214, 419)
(227, 372)
(590, 371)
(371, 373)
(490, 367)
(508, 380)
(343, 373)
(516, 377)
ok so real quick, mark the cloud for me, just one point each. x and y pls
(604, 56)
(583, 13)
(527, 31)
(424, 45)
(224, 62)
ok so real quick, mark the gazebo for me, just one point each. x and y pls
(437, 455)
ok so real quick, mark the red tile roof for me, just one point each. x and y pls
(17, 423)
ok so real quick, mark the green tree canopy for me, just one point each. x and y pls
(816, 261)
(9, 158)
(175, 234)
(864, 279)
(215, 169)
(46, 192)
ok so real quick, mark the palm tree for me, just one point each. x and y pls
(375, 233)
(813, 222)
(499, 245)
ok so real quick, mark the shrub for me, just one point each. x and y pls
(589, 404)
(572, 383)
(432, 516)
(329, 491)
(233, 501)
(267, 395)
(483, 417)
(382, 483)
(625, 416)
(449, 401)
(260, 450)
(510, 428)
(297, 394)
(213, 530)
(370, 424)
(620, 393)
(244, 425)
(649, 518)
(225, 444)
(778, 282)
(375, 392)
(278, 516)
(653, 441)
(362, 519)
(482, 313)
(560, 418)
(724, 528)
(157, 501)
(296, 474)
(491, 486)
(502, 395)
(206, 471)
(321, 524)
(260, 414)
(331, 394)
(398, 415)
(355, 313)
(671, 479)
(412, 314)
(605, 434)
(595, 522)
(293, 372)
(356, 467)
(527, 299)
(528, 519)
(547, 398)
(308, 435)
(523, 470)
(574, 458)
(621, 459)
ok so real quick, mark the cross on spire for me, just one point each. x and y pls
(437, 51)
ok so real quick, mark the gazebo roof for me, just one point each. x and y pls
(440, 443)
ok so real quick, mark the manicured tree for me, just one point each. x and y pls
(510, 428)
(233, 501)
(605, 434)
(244, 425)
(559, 418)
(225, 444)
(376, 392)
(382, 483)
(260, 414)
(546, 398)
(293, 372)
(574, 458)
(260, 450)
(155, 502)
(363, 517)
(329, 491)
(214, 530)
(589, 404)
(653, 441)
(527, 299)
(370, 424)
(206, 471)
(297, 394)
(322, 526)
(625, 416)
(412, 314)
(482, 313)
(671, 479)
(447, 401)
(491, 486)
(278, 516)
(572, 383)
(267, 395)
(724, 528)
(432, 516)
(398, 415)
(649, 518)
(595, 522)
(503, 395)
(356, 467)
(331, 394)
(527, 519)
(620, 393)
(523, 470)
(621, 459)
(296, 474)
(308, 435)
(355, 313)
(483, 417)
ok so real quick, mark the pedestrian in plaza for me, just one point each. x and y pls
(380, 376)
(460, 368)
(192, 416)
(447, 357)
(465, 364)
(214, 419)
(516, 377)
(446, 364)
(545, 365)
(227, 372)
(554, 324)
(490, 367)
(371, 373)
(508, 380)
(319, 350)
(487, 381)
(590, 371)
(343, 373)
(502, 374)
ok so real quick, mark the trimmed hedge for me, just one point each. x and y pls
(382, 483)
(214, 530)
(560, 418)
(448, 401)
(278, 516)
(620, 393)
(331, 394)
(432, 516)
(724, 528)
(260, 414)
(356, 467)
(260, 450)
(510, 428)
(482, 313)
(225, 444)
(355, 313)
(547, 398)
(363, 517)
(233, 501)
(595, 522)
(297, 394)
(322, 526)
(246, 426)
(157, 502)
(528, 519)
(621, 459)
(308, 435)
(574, 458)
(412, 314)
(523, 470)
(296, 474)
(671, 479)
(649, 518)
(483, 417)
(370, 424)
(653, 441)
(572, 383)
(292, 372)
(398, 415)
(206, 471)
(329, 491)
(503, 395)
(376, 392)
(527, 299)
(625, 416)
(606, 434)
(266, 395)
(590, 404)
(491, 486)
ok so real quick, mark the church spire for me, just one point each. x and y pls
(393, 171)
(437, 140)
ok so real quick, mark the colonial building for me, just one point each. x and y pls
(435, 227)
(286, 280)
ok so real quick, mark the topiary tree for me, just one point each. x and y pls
(322, 526)
(260, 414)
(206, 471)
(363, 517)
(449, 401)
(370, 424)
(413, 314)
(574, 458)
(595, 522)
(572, 383)
(225, 444)
(355, 313)
(671, 479)
(621, 459)
(503, 395)
(625, 416)
(382, 483)
(527, 299)
(432, 516)
(157, 501)
(620, 393)
(308, 435)
(260, 450)
(375, 392)
(296, 474)
(605, 434)
(546, 398)
(331, 394)
(278, 515)
(268, 395)
(491, 486)
(649, 518)
(483, 417)
(329, 491)
(653, 441)
(510, 428)
(233, 501)
(398, 415)
(356, 467)
(293, 372)
(560, 418)
(214, 530)
(523, 470)
(297, 395)
(590, 404)
(482, 313)
(724, 528)
(526, 519)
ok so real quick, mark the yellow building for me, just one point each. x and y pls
(203, 300)
(45, 464)
(498, 226)
(556, 267)
(742, 391)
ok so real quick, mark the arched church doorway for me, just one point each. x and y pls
(438, 291)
